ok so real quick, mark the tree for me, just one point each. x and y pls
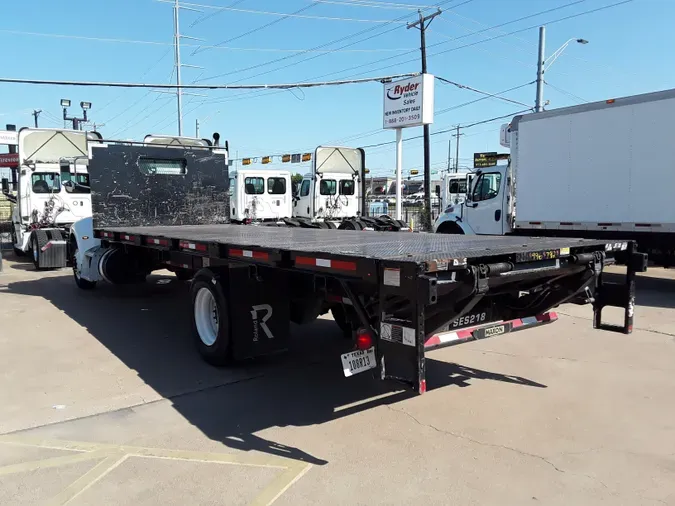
(296, 179)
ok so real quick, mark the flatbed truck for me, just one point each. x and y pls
(396, 296)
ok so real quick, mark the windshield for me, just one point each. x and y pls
(45, 182)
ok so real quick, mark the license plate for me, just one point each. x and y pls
(495, 330)
(467, 320)
(358, 361)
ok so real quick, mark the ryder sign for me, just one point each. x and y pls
(409, 102)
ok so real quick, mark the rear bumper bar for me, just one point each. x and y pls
(493, 329)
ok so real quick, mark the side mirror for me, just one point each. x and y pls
(5, 185)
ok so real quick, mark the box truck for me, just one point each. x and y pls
(592, 171)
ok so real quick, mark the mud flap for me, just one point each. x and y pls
(53, 248)
(401, 334)
(259, 310)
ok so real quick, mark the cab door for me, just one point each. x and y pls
(485, 208)
(302, 206)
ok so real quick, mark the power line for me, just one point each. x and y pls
(107, 84)
(224, 48)
(257, 29)
(488, 95)
(376, 5)
(488, 39)
(284, 15)
(456, 38)
(209, 16)
(569, 94)
(438, 132)
(421, 136)
(320, 46)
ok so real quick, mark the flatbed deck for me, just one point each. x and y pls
(410, 247)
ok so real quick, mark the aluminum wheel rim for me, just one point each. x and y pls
(206, 316)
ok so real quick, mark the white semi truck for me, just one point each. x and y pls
(259, 195)
(594, 170)
(52, 192)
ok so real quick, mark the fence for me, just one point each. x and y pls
(5, 222)
(410, 213)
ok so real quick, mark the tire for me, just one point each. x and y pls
(184, 274)
(35, 252)
(83, 284)
(210, 319)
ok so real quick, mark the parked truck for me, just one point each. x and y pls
(333, 194)
(592, 170)
(52, 192)
(397, 296)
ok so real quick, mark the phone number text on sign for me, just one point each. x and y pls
(403, 119)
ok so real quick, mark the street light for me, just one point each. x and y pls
(77, 122)
(544, 64)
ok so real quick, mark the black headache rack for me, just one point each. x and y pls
(168, 207)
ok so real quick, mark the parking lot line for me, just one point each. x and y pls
(114, 455)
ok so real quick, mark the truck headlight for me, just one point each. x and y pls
(449, 209)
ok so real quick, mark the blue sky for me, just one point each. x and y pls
(625, 56)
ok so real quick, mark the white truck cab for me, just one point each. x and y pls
(485, 208)
(332, 191)
(52, 191)
(260, 195)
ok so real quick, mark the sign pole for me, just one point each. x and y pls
(399, 164)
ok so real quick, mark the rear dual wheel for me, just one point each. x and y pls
(210, 321)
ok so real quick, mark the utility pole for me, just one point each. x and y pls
(539, 103)
(449, 154)
(95, 126)
(422, 24)
(176, 54)
(197, 128)
(457, 150)
(36, 113)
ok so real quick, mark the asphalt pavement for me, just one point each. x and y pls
(104, 400)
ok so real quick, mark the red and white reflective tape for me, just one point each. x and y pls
(108, 235)
(195, 246)
(127, 237)
(245, 253)
(341, 265)
(467, 333)
(158, 242)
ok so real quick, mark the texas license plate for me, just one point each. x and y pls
(358, 361)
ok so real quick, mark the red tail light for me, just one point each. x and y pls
(363, 339)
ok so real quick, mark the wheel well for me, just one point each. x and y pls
(449, 227)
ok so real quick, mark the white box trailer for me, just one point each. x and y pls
(597, 166)
(594, 170)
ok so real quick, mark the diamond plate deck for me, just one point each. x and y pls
(397, 246)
